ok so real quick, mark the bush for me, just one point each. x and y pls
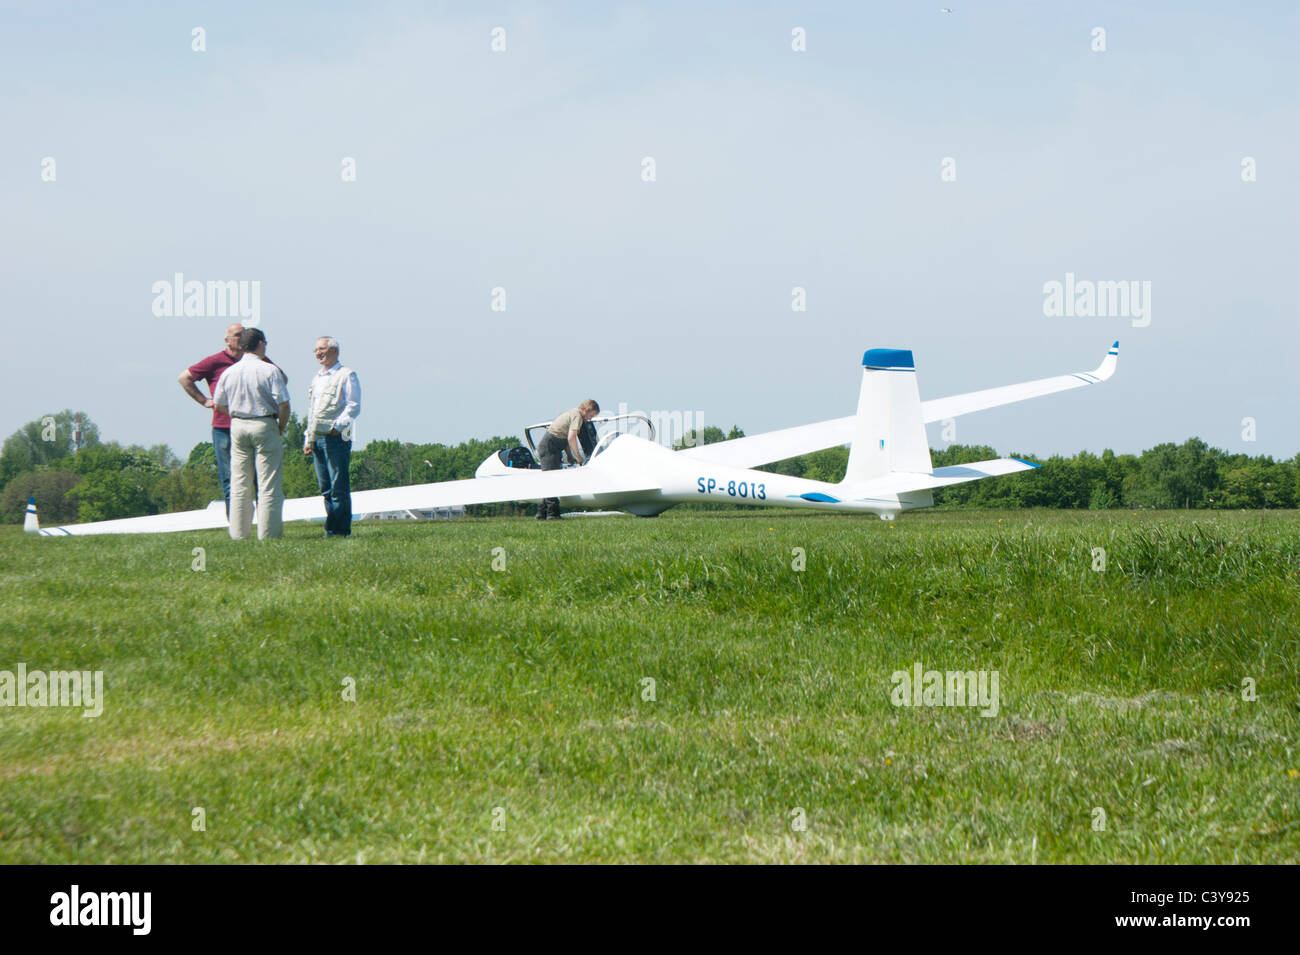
(50, 488)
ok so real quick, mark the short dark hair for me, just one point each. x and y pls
(250, 338)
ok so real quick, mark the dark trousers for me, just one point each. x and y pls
(331, 455)
(221, 450)
(550, 453)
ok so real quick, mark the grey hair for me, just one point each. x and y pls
(329, 342)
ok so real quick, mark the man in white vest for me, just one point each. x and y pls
(333, 403)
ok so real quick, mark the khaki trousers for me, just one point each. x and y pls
(255, 440)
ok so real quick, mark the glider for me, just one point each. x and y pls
(889, 468)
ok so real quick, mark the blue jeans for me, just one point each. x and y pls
(221, 449)
(331, 455)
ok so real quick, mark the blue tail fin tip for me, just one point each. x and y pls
(888, 358)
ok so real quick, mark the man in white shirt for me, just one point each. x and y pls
(252, 392)
(209, 370)
(333, 403)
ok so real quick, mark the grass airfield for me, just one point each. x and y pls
(504, 715)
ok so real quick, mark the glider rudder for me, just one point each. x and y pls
(889, 434)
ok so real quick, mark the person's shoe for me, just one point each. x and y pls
(554, 510)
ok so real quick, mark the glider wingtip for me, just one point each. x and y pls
(1108, 363)
(31, 523)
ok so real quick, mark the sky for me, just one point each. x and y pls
(920, 175)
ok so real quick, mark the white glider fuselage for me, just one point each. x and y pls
(682, 480)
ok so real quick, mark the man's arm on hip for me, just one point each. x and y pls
(187, 385)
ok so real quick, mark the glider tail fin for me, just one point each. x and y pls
(889, 435)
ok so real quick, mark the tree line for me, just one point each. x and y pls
(75, 476)
(97, 480)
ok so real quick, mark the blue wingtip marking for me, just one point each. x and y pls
(1030, 463)
(1116, 345)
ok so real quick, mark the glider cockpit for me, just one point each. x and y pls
(598, 433)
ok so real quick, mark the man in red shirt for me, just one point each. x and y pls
(209, 370)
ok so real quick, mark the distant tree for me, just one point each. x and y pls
(695, 438)
(116, 482)
(391, 463)
(106, 495)
(1280, 485)
(50, 488)
(1101, 498)
(1174, 476)
(961, 454)
(160, 454)
(298, 473)
(1259, 483)
(382, 464)
(1109, 486)
(791, 467)
(202, 455)
(43, 442)
(113, 457)
(186, 489)
(828, 465)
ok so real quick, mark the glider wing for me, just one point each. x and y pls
(527, 485)
(772, 446)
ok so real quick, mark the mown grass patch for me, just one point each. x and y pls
(518, 697)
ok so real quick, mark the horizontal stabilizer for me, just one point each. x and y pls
(902, 482)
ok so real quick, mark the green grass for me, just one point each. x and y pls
(522, 690)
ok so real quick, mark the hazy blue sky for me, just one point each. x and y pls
(775, 169)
